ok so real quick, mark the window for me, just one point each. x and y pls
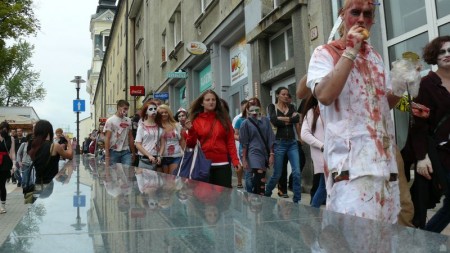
(403, 16)
(281, 47)
(414, 44)
(175, 27)
(444, 30)
(164, 46)
(105, 42)
(442, 9)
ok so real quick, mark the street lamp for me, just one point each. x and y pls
(78, 80)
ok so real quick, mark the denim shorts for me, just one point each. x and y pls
(170, 160)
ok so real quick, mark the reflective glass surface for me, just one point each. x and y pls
(92, 208)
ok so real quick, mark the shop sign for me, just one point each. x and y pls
(137, 90)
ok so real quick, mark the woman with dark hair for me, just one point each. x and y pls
(7, 156)
(45, 154)
(210, 124)
(284, 116)
(257, 138)
(313, 134)
(147, 137)
(434, 93)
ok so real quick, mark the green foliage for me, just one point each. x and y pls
(20, 85)
(17, 19)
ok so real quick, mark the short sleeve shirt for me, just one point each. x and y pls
(148, 136)
(119, 128)
(359, 132)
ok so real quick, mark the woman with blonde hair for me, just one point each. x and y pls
(210, 124)
(172, 141)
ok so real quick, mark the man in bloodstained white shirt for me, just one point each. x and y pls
(348, 78)
(119, 141)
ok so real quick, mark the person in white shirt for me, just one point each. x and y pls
(119, 142)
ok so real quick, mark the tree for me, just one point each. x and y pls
(16, 20)
(20, 85)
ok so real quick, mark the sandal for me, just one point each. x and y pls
(240, 186)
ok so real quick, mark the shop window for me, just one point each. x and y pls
(281, 47)
(403, 16)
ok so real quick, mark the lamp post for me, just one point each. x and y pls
(78, 80)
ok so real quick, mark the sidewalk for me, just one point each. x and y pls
(15, 210)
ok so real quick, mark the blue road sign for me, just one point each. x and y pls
(79, 105)
(161, 95)
(79, 201)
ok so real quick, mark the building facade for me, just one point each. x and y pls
(100, 28)
(253, 47)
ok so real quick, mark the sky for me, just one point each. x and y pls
(63, 49)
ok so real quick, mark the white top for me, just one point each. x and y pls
(359, 132)
(148, 137)
(314, 140)
(172, 147)
(119, 128)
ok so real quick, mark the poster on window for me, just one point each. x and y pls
(238, 61)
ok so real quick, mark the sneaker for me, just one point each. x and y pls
(19, 184)
(2, 209)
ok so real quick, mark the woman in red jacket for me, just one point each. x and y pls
(210, 124)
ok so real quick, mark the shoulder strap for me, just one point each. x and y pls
(261, 134)
(210, 131)
(447, 116)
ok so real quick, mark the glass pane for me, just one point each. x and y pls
(444, 29)
(290, 43)
(442, 9)
(277, 48)
(403, 16)
(414, 44)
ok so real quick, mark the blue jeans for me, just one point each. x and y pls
(441, 219)
(289, 147)
(25, 176)
(123, 157)
(248, 181)
(321, 193)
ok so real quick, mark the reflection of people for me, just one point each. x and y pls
(210, 124)
(211, 201)
(348, 78)
(434, 93)
(148, 183)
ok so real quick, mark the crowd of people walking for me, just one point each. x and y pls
(344, 118)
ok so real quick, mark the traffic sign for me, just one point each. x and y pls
(79, 105)
(79, 201)
(161, 95)
(178, 74)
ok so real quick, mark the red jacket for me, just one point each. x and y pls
(219, 146)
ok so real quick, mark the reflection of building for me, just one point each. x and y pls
(19, 117)
(100, 27)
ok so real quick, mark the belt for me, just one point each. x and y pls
(345, 175)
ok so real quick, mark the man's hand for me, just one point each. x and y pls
(425, 168)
